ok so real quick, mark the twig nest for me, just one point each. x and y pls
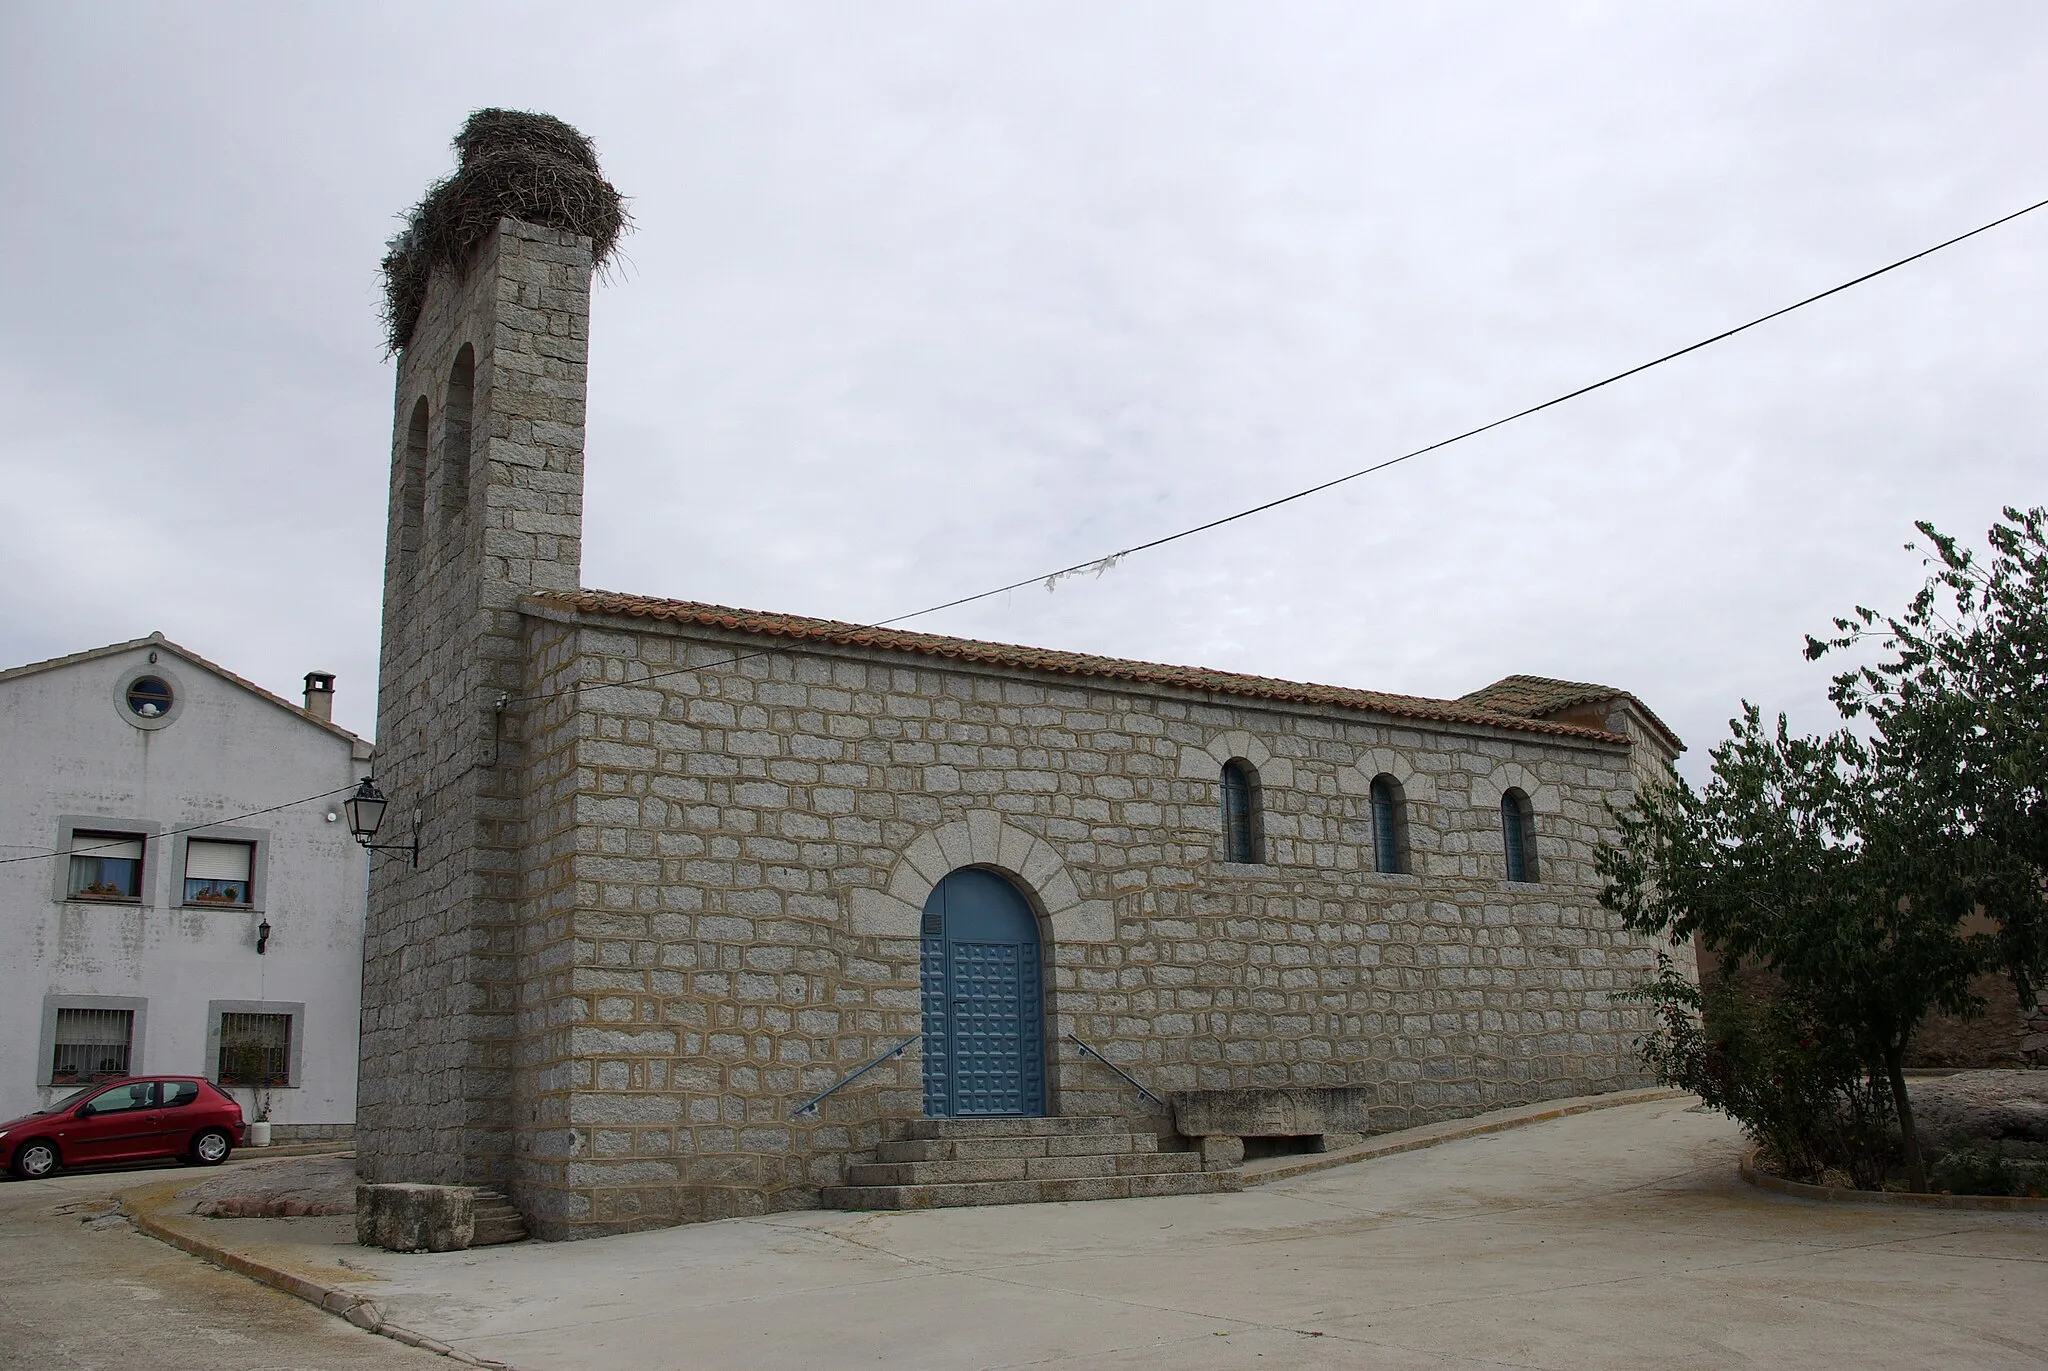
(515, 164)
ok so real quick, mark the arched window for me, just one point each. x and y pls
(1389, 826)
(1240, 812)
(1518, 835)
(455, 435)
(411, 494)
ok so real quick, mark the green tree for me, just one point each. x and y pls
(1958, 706)
(1875, 873)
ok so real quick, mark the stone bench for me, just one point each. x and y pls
(1310, 1119)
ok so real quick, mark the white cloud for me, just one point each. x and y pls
(926, 298)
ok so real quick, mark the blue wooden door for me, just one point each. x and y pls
(984, 1025)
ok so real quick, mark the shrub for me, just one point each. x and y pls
(1799, 1091)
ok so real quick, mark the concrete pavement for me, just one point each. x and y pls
(81, 1290)
(1617, 1239)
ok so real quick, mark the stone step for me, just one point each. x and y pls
(1029, 1192)
(988, 1149)
(1012, 1127)
(1022, 1169)
(497, 1222)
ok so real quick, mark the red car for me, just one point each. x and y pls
(132, 1119)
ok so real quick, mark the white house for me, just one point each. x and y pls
(180, 889)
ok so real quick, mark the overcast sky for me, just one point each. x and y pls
(926, 298)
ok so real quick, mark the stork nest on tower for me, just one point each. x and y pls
(516, 165)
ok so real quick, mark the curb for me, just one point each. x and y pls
(1429, 1135)
(304, 1149)
(359, 1310)
(1842, 1194)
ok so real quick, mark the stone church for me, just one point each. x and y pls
(684, 869)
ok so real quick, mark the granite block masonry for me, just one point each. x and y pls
(679, 861)
(415, 1218)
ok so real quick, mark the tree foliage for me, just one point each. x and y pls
(1958, 707)
(1876, 871)
(1798, 1089)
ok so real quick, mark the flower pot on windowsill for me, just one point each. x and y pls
(259, 1135)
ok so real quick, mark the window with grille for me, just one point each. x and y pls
(1518, 835)
(218, 872)
(1240, 813)
(91, 1045)
(106, 866)
(1389, 826)
(255, 1049)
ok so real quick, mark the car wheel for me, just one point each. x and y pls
(35, 1160)
(211, 1147)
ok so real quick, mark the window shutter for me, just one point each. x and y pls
(113, 849)
(212, 861)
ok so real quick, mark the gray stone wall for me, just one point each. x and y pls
(478, 519)
(665, 895)
(736, 855)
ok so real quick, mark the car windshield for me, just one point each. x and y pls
(73, 1098)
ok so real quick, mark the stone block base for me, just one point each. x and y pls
(415, 1218)
(1260, 1113)
(281, 1133)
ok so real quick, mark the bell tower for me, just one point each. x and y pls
(488, 302)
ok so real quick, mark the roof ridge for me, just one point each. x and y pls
(157, 639)
(838, 632)
(1532, 696)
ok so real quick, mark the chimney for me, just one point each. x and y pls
(320, 695)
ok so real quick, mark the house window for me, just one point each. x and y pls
(149, 697)
(1518, 835)
(1240, 812)
(105, 866)
(1389, 826)
(218, 873)
(91, 1045)
(255, 1049)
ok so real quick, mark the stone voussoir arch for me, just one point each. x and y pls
(1543, 798)
(982, 838)
(1417, 787)
(1205, 763)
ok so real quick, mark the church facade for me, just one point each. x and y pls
(683, 867)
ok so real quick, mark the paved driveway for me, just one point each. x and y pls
(80, 1290)
(1619, 1239)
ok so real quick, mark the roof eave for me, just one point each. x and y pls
(565, 606)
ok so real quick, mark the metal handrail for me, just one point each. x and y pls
(1119, 1071)
(810, 1106)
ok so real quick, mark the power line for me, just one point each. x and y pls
(1105, 563)
(1101, 564)
(174, 832)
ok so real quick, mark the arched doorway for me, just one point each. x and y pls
(984, 1018)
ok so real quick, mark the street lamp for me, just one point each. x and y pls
(262, 937)
(365, 811)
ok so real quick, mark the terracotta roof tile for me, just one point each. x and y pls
(1537, 697)
(834, 633)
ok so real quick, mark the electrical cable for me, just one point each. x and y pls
(174, 832)
(1101, 564)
